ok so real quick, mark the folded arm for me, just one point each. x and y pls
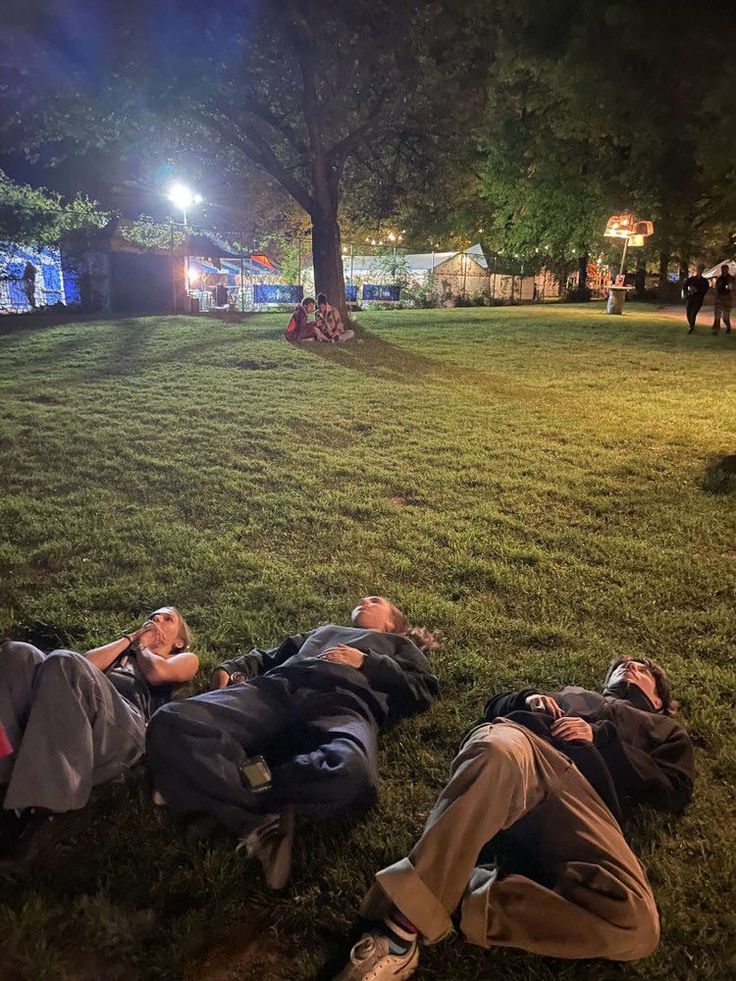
(406, 677)
(174, 670)
(661, 777)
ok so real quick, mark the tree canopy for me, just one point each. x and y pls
(524, 125)
(318, 94)
(35, 216)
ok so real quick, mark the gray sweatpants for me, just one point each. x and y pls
(597, 902)
(69, 728)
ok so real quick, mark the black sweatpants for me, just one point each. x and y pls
(694, 303)
(195, 749)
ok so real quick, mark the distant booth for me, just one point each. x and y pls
(466, 274)
(221, 278)
(130, 268)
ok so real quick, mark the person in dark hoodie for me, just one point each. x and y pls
(300, 329)
(293, 729)
(553, 773)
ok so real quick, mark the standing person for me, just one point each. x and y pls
(299, 329)
(552, 772)
(29, 284)
(309, 711)
(695, 288)
(724, 289)
(329, 322)
(78, 720)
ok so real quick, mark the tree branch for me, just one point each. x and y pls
(339, 153)
(266, 115)
(254, 146)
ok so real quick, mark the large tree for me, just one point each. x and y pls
(604, 106)
(312, 91)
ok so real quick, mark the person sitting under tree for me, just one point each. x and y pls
(299, 329)
(329, 322)
(695, 289)
(554, 773)
(313, 707)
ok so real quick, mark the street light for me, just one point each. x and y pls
(183, 197)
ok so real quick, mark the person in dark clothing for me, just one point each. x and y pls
(549, 771)
(722, 307)
(29, 284)
(695, 288)
(78, 720)
(299, 328)
(312, 707)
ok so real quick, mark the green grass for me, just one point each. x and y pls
(542, 486)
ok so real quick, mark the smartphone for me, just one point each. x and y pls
(255, 774)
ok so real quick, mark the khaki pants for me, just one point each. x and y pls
(598, 902)
(722, 308)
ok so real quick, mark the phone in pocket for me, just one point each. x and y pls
(255, 774)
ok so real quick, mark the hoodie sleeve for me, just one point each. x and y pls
(661, 775)
(259, 661)
(405, 677)
(507, 702)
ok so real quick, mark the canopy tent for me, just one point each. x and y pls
(211, 247)
(418, 264)
(716, 270)
(252, 266)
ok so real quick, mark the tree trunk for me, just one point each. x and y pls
(664, 264)
(583, 273)
(562, 284)
(327, 256)
(640, 280)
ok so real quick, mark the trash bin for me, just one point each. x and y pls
(616, 299)
(194, 304)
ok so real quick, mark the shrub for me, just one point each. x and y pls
(578, 295)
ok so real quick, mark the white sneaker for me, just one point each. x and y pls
(371, 959)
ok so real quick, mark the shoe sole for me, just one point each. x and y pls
(405, 971)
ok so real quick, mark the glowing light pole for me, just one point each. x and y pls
(184, 198)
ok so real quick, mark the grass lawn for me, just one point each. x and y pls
(541, 485)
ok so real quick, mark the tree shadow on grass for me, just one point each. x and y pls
(720, 477)
(370, 355)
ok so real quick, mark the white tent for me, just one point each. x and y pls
(716, 270)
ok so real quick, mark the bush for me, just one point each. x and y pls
(422, 295)
(578, 295)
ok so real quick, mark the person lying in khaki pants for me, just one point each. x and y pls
(555, 774)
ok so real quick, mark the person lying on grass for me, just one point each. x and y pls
(291, 729)
(553, 772)
(78, 720)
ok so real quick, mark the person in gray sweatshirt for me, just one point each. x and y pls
(292, 730)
